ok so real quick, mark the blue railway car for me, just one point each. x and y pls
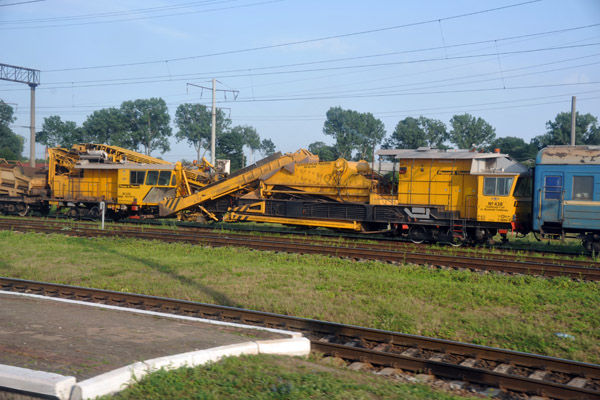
(566, 198)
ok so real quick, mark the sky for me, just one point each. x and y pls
(281, 64)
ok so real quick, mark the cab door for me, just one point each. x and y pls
(551, 197)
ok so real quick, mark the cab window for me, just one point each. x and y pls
(583, 187)
(497, 186)
(173, 181)
(164, 178)
(137, 177)
(152, 178)
(524, 187)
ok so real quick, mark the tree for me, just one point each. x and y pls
(468, 131)
(194, 123)
(230, 145)
(412, 133)
(515, 147)
(267, 147)
(58, 133)
(371, 133)
(558, 132)
(11, 144)
(325, 153)
(147, 124)
(106, 126)
(251, 139)
(353, 131)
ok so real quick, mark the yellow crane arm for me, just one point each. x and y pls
(237, 181)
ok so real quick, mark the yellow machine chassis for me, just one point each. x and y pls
(255, 213)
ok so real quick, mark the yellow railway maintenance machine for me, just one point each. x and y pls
(129, 183)
(457, 195)
(82, 178)
(79, 179)
(448, 196)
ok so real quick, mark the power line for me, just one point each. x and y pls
(299, 41)
(22, 2)
(397, 94)
(147, 17)
(333, 60)
(457, 109)
(133, 81)
(82, 110)
(477, 75)
(116, 13)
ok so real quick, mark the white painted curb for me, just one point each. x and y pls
(119, 379)
(67, 388)
(46, 383)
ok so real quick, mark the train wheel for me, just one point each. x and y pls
(94, 213)
(449, 238)
(596, 248)
(417, 234)
(73, 213)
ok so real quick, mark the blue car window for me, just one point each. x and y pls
(553, 187)
(583, 188)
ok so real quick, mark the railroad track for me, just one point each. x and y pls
(387, 252)
(508, 370)
(396, 241)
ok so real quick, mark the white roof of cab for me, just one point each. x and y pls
(497, 163)
(428, 153)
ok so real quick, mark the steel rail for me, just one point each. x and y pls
(291, 245)
(506, 369)
(349, 240)
(346, 241)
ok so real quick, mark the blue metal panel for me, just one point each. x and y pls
(585, 216)
(577, 206)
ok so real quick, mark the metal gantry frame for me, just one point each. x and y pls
(32, 78)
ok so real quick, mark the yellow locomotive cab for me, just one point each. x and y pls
(477, 186)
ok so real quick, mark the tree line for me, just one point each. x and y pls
(144, 125)
(11, 144)
(356, 135)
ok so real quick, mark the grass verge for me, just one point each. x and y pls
(270, 377)
(519, 313)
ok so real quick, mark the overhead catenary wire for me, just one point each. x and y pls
(91, 107)
(114, 13)
(298, 42)
(147, 17)
(245, 74)
(21, 2)
(398, 114)
(340, 59)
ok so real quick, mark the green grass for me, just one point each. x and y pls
(270, 377)
(519, 313)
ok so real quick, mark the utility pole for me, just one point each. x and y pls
(573, 120)
(32, 78)
(213, 131)
(32, 127)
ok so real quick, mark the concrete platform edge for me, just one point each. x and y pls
(181, 317)
(41, 382)
(117, 380)
(66, 387)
